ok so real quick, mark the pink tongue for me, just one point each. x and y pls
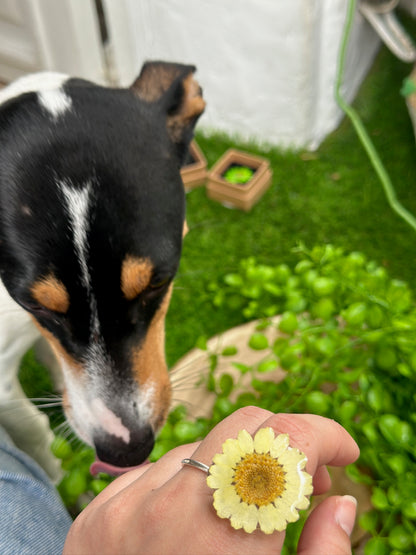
(99, 466)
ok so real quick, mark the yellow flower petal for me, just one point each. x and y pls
(245, 516)
(245, 442)
(219, 476)
(263, 440)
(226, 501)
(303, 504)
(231, 452)
(279, 445)
(298, 486)
(292, 457)
(270, 519)
(293, 478)
(220, 468)
(292, 515)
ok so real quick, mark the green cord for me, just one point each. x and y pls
(360, 129)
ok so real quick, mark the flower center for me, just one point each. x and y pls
(259, 479)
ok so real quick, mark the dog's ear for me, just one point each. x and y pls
(173, 87)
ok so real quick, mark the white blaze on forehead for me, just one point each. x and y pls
(107, 420)
(47, 85)
(78, 206)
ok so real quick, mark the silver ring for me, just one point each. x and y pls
(196, 464)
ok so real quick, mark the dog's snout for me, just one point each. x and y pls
(114, 451)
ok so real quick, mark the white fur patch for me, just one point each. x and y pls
(48, 87)
(78, 203)
(147, 394)
(89, 412)
(55, 101)
(111, 423)
(78, 206)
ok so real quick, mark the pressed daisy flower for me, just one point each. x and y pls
(260, 482)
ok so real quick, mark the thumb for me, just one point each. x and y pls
(328, 528)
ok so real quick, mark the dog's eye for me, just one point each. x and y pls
(40, 311)
(156, 287)
(159, 283)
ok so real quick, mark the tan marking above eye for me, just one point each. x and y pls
(136, 274)
(51, 293)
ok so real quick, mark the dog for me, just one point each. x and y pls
(92, 218)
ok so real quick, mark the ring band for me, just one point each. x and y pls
(196, 464)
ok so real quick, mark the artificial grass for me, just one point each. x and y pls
(331, 195)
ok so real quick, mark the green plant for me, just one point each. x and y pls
(77, 486)
(238, 174)
(347, 341)
(408, 87)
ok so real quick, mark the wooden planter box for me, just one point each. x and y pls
(242, 196)
(194, 173)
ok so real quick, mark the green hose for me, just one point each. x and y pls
(360, 129)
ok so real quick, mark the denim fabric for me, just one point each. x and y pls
(33, 520)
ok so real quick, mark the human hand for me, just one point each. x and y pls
(167, 508)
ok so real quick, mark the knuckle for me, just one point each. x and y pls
(301, 433)
(252, 413)
(160, 506)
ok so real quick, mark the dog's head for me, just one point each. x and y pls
(92, 215)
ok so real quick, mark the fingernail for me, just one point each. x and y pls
(345, 513)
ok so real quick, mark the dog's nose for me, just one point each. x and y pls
(113, 450)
